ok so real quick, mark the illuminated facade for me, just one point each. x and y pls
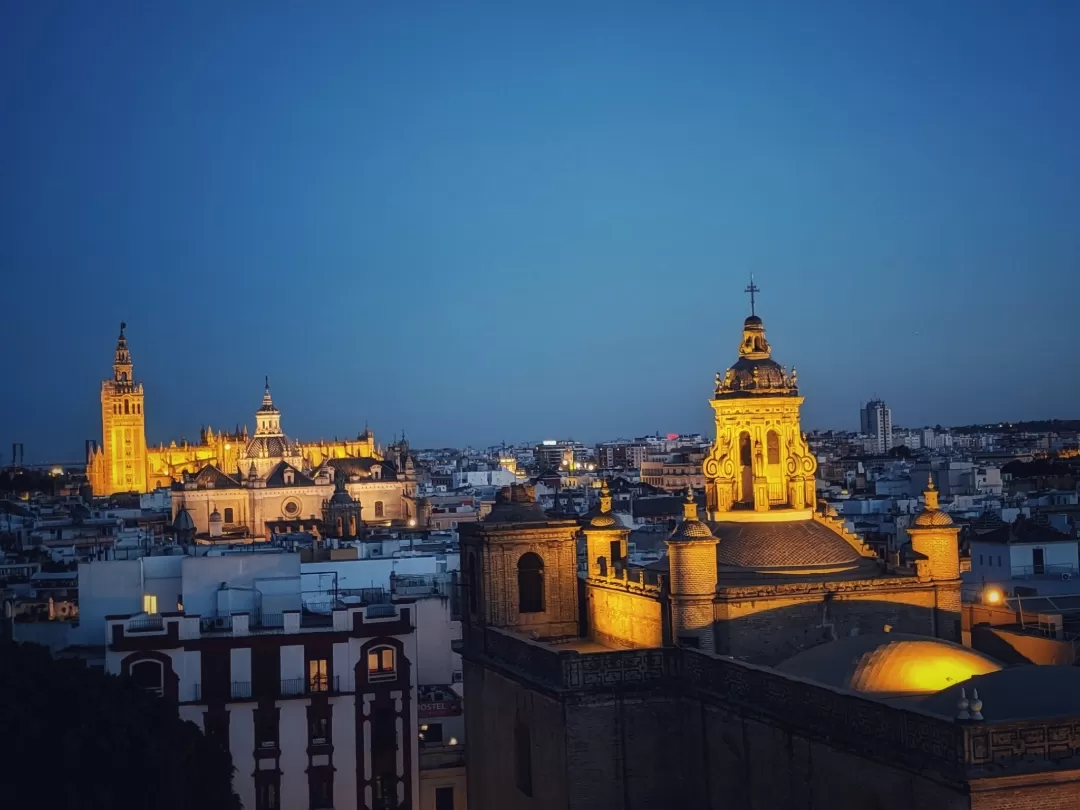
(119, 463)
(124, 463)
(678, 667)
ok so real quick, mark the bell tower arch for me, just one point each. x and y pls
(759, 467)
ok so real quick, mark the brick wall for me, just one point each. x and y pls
(692, 568)
(1062, 793)
(624, 619)
(624, 752)
(748, 764)
(493, 705)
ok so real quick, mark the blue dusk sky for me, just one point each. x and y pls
(518, 220)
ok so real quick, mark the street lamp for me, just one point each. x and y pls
(993, 596)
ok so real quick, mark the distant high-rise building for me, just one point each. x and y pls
(876, 422)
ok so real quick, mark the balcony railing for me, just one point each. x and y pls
(1054, 571)
(309, 686)
(241, 690)
(147, 624)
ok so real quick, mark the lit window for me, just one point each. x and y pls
(318, 680)
(380, 663)
(149, 603)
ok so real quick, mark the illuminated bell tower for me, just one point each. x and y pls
(123, 427)
(759, 467)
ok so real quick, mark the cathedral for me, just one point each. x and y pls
(770, 660)
(240, 483)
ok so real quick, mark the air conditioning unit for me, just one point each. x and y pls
(457, 676)
(223, 622)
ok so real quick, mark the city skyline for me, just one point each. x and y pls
(486, 224)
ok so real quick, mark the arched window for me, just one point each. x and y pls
(744, 450)
(127, 407)
(773, 442)
(470, 581)
(381, 665)
(148, 675)
(530, 583)
(601, 564)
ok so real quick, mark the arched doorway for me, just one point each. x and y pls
(746, 470)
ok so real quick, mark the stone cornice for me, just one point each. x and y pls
(860, 586)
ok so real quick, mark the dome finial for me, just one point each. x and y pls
(690, 510)
(753, 289)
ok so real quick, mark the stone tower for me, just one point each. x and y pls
(934, 540)
(605, 540)
(760, 460)
(120, 464)
(693, 576)
(935, 547)
(520, 569)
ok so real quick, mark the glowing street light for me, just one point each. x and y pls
(993, 596)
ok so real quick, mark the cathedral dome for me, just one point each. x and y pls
(889, 664)
(183, 522)
(787, 547)
(267, 447)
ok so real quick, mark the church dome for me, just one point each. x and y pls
(183, 522)
(783, 547)
(755, 373)
(603, 521)
(267, 447)
(691, 529)
(933, 518)
(889, 664)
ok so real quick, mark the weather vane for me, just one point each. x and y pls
(752, 289)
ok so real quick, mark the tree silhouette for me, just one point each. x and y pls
(78, 739)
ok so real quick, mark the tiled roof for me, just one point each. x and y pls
(210, 477)
(276, 478)
(362, 467)
(799, 543)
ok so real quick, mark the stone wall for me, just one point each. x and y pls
(494, 704)
(767, 627)
(620, 617)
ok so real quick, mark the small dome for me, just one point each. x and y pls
(691, 530)
(604, 520)
(889, 664)
(933, 518)
(183, 522)
(752, 320)
(215, 515)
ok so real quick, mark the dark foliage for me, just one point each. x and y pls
(901, 451)
(77, 739)
(22, 480)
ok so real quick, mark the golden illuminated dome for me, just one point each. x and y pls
(932, 514)
(935, 518)
(755, 373)
(889, 664)
(691, 529)
(601, 517)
